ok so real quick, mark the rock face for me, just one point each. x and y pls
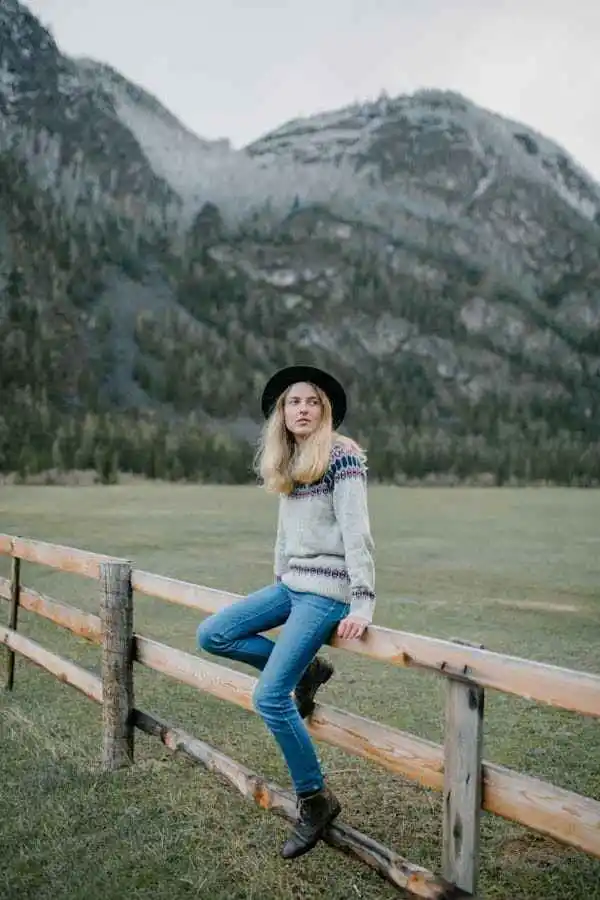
(443, 260)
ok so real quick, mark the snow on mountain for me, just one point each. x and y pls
(432, 137)
(398, 164)
(176, 154)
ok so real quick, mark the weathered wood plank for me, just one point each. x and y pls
(116, 616)
(227, 684)
(403, 754)
(551, 685)
(64, 670)
(558, 813)
(402, 874)
(67, 559)
(544, 683)
(182, 593)
(463, 744)
(563, 815)
(567, 817)
(82, 624)
(15, 590)
(397, 751)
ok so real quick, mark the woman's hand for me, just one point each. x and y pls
(352, 628)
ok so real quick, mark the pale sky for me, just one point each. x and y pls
(238, 68)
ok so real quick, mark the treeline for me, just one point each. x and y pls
(113, 443)
(560, 459)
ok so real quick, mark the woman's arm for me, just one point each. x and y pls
(281, 561)
(352, 513)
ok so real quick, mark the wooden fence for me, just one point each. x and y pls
(469, 783)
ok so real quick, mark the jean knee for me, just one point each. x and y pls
(260, 698)
(208, 637)
(267, 699)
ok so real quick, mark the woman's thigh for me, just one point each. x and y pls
(310, 623)
(266, 608)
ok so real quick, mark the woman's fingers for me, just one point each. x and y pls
(350, 630)
(343, 629)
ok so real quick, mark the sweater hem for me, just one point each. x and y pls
(335, 586)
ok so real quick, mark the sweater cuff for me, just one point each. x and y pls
(362, 604)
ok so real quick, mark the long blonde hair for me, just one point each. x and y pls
(281, 463)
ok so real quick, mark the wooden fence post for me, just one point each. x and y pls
(15, 590)
(463, 781)
(116, 616)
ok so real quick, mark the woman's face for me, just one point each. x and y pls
(303, 410)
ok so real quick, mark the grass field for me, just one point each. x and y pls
(518, 570)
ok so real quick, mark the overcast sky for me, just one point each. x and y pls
(238, 68)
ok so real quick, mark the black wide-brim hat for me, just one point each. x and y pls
(285, 378)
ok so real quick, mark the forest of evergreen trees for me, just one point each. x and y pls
(112, 443)
(61, 409)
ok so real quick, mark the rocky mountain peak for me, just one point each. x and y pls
(174, 152)
(443, 260)
(435, 142)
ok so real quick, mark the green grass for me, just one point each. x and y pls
(518, 570)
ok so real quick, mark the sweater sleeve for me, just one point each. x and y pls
(281, 561)
(352, 513)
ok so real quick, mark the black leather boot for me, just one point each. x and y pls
(318, 673)
(315, 813)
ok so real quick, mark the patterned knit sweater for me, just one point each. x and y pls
(324, 544)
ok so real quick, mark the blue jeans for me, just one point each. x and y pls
(308, 621)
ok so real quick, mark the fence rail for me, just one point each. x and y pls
(469, 783)
(552, 685)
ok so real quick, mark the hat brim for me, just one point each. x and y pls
(285, 378)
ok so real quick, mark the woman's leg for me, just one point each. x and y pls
(310, 623)
(233, 631)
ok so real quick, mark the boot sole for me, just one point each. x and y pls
(308, 708)
(308, 847)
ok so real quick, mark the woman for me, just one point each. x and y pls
(324, 577)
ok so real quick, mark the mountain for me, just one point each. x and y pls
(444, 261)
(174, 152)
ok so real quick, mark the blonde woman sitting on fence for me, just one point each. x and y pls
(324, 577)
